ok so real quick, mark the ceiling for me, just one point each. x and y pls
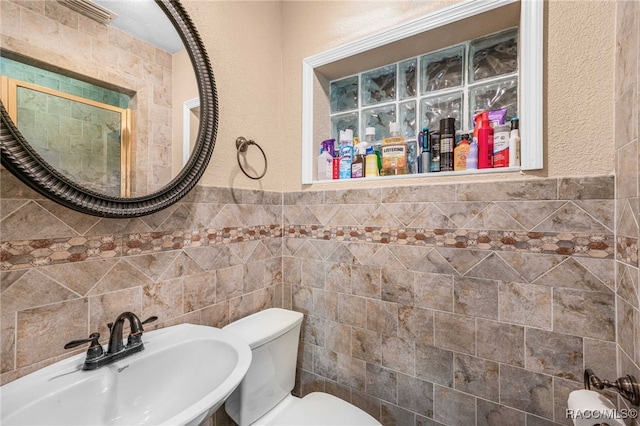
(144, 20)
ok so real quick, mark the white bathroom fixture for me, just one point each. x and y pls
(264, 396)
(184, 374)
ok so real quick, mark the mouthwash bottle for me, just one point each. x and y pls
(394, 153)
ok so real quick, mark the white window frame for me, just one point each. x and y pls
(530, 65)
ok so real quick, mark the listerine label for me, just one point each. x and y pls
(394, 156)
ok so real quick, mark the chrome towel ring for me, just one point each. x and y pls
(242, 145)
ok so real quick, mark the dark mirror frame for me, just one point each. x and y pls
(21, 159)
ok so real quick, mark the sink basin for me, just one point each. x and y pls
(182, 376)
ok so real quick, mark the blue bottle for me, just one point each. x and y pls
(346, 153)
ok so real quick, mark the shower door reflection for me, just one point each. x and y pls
(85, 140)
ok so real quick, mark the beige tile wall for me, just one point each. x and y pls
(431, 304)
(454, 303)
(210, 259)
(627, 192)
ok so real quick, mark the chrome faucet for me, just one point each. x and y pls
(96, 357)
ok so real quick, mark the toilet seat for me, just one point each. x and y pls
(319, 409)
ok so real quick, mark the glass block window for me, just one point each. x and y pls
(457, 81)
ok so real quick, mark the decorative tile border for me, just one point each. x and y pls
(32, 253)
(29, 253)
(570, 244)
(627, 250)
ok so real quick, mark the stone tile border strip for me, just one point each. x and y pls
(29, 253)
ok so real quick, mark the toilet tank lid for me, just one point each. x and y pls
(264, 326)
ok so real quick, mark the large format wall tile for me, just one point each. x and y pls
(483, 296)
(412, 298)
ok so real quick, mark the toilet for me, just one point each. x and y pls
(264, 395)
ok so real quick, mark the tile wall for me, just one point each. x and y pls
(434, 304)
(457, 303)
(210, 259)
(627, 172)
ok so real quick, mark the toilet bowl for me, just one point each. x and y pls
(264, 395)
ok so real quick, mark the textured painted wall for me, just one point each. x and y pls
(577, 92)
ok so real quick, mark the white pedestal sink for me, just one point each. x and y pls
(183, 375)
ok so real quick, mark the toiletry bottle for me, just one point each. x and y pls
(359, 160)
(425, 156)
(514, 143)
(372, 159)
(472, 158)
(477, 122)
(324, 165)
(485, 143)
(346, 153)
(335, 167)
(371, 163)
(394, 153)
(447, 143)
(412, 157)
(460, 153)
(501, 146)
(435, 151)
(329, 146)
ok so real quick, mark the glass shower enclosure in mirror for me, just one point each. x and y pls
(87, 141)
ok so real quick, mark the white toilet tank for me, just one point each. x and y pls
(273, 336)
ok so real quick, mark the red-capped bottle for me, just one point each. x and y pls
(485, 143)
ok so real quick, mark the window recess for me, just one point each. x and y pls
(460, 29)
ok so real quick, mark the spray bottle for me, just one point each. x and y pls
(346, 153)
(324, 165)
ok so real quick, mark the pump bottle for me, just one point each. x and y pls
(514, 143)
(485, 143)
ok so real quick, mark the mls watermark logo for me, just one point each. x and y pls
(603, 415)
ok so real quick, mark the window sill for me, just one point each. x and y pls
(433, 175)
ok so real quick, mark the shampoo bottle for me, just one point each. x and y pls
(447, 143)
(514, 143)
(501, 146)
(435, 151)
(461, 153)
(485, 143)
(371, 163)
(472, 158)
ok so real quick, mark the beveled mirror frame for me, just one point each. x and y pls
(21, 159)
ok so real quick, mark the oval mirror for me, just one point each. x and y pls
(136, 137)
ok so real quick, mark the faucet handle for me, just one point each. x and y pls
(95, 349)
(135, 339)
(148, 320)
